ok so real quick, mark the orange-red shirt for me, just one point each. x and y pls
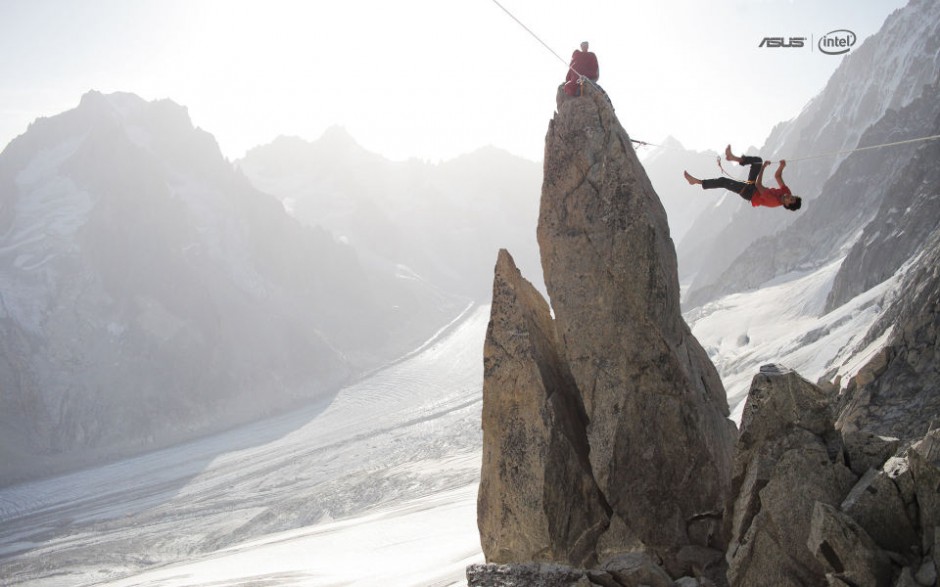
(770, 197)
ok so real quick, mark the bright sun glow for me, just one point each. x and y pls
(423, 78)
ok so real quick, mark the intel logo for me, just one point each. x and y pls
(837, 42)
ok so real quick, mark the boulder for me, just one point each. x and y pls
(927, 573)
(538, 500)
(875, 503)
(637, 569)
(926, 477)
(865, 450)
(845, 550)
(906, 579)
(780, 400)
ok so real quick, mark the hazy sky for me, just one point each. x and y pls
(425, 78)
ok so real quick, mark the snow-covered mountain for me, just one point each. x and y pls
(885, 73)
(149, 293)
(442, 221)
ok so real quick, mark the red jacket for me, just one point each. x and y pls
(584, 63)
(770, 197)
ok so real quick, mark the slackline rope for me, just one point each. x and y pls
(528, 30)
(817, 156)
(846, 151)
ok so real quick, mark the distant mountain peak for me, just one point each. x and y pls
(128, 107)
(120, 100)
(671, 142)
(336, 136)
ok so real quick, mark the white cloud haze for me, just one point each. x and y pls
(424, 78)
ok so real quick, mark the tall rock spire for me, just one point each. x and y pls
(659, 439)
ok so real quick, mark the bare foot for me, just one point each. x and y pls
(728, 155)
(690, 179)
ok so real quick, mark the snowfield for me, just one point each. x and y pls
(377, 487)
(783, 323)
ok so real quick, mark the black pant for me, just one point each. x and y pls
(745, 190)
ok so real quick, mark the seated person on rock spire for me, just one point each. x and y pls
(583, 65)
(753, 190)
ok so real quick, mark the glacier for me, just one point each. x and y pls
(377, 486)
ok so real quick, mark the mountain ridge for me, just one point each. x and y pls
(152, 294)
(436, 219)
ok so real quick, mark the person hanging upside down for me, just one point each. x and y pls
(753, 190)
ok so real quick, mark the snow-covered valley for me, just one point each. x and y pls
(377, 487)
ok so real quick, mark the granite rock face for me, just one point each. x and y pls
(613, 397)
(658, 429)
(537, 500)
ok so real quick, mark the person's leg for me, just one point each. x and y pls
(745, 190)
(723, 182)
(755, 163)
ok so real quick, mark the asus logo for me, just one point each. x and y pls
(774, 42)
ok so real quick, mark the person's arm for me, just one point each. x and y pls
(779, 175)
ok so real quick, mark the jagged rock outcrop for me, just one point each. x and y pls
(649, 410)
(892, 394)
(788, 458)
(538, 500)
(805, 515)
